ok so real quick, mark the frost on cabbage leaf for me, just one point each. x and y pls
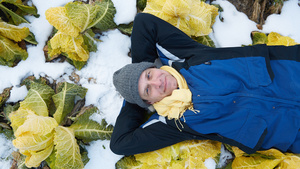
(41, 137)
(74, 21)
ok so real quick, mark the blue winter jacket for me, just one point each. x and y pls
(247, 96)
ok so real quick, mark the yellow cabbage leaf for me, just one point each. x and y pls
(191, 154)
(267, 159)
(256, 162)
(161, 156)
(155, 8)
(237, 152)
(35, 158)
(68, 154)
(33, 142)
(177, 8)
(290, 161)
(204, 149)
(73, 46)
(277, 39)
(35, 124)
(181, 24)
(194, 18)
(17, 118)
(178, 164)
(25, 152)
(57, 16)
(13, 32)
(272, 152)
(201, 18)
(273, 37)
(196, 163)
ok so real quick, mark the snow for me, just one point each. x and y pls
(210, 163)
(17, 94)
(225, 155)
(126, 10)
(287, 23)
(112, 54)
(6, 148)
(236, 28)
(100, 154)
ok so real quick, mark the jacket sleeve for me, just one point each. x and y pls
(150, 31)
(129, 138)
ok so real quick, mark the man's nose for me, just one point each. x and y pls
(155, 83)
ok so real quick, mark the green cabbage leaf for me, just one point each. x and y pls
(105, 18)
(89, 40)
(26, 9)
(88, 130)
(82, 15)
(38, 99)
(4, 95)
(16, 15)
(258, 38)
(14, 18)
(67, 150)
(65, 98)
(205, 40)
(10, 52)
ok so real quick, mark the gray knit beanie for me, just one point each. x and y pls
(126, 82)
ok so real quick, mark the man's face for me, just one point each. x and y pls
(155, 84)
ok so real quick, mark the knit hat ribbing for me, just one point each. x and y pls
(126, 82)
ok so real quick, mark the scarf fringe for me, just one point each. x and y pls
(193, 110)
(178, 119)
(175, 121)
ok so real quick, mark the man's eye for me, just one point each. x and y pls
(148, 75)
(147, 91)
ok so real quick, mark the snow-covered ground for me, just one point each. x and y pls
(112, 54)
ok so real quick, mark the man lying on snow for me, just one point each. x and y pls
(247, 97)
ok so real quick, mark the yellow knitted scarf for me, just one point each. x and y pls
(179, 101)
